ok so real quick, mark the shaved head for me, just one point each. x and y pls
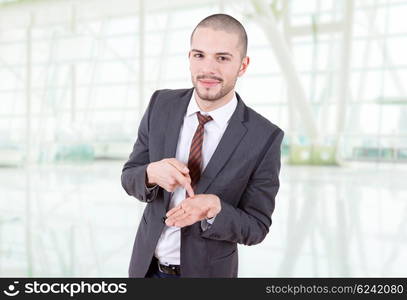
(226, 23)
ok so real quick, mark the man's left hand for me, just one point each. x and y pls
(193, 209)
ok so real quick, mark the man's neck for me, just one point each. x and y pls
(210, 105)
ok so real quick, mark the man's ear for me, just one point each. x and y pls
(244, 65)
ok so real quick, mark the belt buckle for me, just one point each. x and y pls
(173, 271)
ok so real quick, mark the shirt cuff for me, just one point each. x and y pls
(210, 220)
(150, 189)
(206, 224)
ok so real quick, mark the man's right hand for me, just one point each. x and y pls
(169, 173)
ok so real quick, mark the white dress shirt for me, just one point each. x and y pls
(169, 244)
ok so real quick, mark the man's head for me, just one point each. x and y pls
(217, 56)
(228, 24)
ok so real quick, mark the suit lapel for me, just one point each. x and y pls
(234, 133)
(176, 113)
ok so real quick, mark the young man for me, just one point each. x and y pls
(206, 164)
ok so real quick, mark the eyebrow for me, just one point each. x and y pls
(218, 53)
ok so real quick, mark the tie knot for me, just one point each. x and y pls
(203, 119)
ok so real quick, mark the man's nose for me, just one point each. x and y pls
(209, 66)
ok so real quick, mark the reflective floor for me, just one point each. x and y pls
(75, 220)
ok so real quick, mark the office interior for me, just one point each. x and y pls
(77, 76)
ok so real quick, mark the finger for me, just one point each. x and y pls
(178, 165)
(168, 222)
(211, 213)
(189, 189)
(173, 210)
(172, 220)
(179, 216)
(184, 181)
(186, 222)
(179, 212)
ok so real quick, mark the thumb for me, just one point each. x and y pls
(211, 213)
(179, 166)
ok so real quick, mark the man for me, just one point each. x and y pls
(205, 163)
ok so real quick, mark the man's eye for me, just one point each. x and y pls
(223, 58)
(198, 55)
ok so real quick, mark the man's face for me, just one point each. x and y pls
(215, 62)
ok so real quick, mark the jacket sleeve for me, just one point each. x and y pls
(249, 222)
(134, 174)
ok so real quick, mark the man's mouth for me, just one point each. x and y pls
(209, 82)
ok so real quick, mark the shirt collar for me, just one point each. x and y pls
(220, 116)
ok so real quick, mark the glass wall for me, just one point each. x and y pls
(73, 89)
(75, 79)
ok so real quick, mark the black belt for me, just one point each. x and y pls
(170, 269)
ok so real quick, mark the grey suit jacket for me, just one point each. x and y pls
(243, 172)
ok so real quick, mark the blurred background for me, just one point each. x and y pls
(76, 77)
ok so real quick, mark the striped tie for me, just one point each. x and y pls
(195, 152)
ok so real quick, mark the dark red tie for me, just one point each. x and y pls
(195, 152)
